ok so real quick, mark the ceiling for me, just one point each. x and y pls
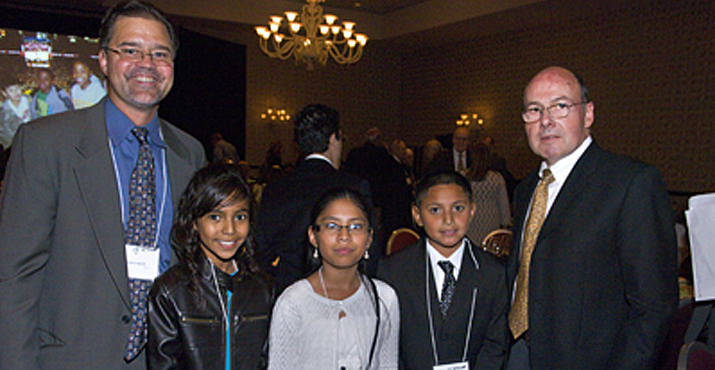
(370, 6)
(379, 19)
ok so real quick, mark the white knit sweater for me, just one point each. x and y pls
(307, 332)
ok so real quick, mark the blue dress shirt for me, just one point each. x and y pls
(125, 148)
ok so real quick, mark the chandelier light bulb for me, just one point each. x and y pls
(278, 37)
(335, 29)
(330, 19)
(295, 26)
(348, 25)
(276, 19)
(324, 29)
(274, 26)
(290, 16)
(361, 38)
(347, 33)
(260, 30)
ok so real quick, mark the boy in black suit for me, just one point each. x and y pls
(453, 296)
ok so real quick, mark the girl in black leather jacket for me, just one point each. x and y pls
(211, 311)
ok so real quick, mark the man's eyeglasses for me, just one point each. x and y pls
(332, 228)
(535, 112)
(159, 56)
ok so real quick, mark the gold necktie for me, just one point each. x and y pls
(519, 313)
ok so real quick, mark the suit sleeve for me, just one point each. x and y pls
(164, 345)
(647, 253)
(27, 214)
(494, 346)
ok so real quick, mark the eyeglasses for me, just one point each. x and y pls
(332, 228)
(159, 56)
(535, 112)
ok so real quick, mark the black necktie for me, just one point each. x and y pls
(141, 230)
(447, 286)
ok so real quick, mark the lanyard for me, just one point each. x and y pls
(121, 196)
(433, 341)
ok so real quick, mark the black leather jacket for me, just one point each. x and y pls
(183, 335)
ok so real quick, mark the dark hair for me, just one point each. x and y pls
(134, 8)
(313, 127)
(441, 178)
(479, 162)
(323, 202)
(209, 188)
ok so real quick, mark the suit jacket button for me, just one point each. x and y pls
(126, 319)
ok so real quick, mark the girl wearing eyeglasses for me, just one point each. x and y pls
(337, 317)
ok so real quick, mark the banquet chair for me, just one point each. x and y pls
(401, 238)
(497, 242)
(696, 356)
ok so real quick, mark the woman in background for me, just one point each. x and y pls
(490, 197)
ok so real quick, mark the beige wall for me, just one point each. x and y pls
(649, 67)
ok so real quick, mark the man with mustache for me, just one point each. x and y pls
(86, 209)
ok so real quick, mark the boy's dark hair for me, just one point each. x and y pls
(313, 127)
(441, 178)
(210, 187)
(134, 8)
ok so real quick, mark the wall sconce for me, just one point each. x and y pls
(465, 119)
(274, 115)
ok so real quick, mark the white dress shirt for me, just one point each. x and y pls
(437, 272)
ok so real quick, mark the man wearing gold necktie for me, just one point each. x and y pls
(593, 266)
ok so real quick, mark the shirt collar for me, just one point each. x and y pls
(455, 258)
(119, 126)
(562, 168)
(319, 156)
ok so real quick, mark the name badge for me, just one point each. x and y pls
(142, 262)
(453, 366)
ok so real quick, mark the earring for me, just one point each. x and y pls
(315, 253)
(367, 255)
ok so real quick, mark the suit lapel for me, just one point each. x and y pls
(178, 162)
(522, 202)
(577, 180)
(179, 168)
(97, 186)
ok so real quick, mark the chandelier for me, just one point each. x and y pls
(308, 39)
(465, 121)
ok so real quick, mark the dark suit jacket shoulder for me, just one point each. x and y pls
(62, 265)
(406, 271)
(603, 282)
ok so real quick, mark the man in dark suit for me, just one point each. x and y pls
(456, 159)
(472, 328)
(601, 285)
(284, 216)
(64, 277)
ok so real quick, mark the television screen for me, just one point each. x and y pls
(45, 73)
